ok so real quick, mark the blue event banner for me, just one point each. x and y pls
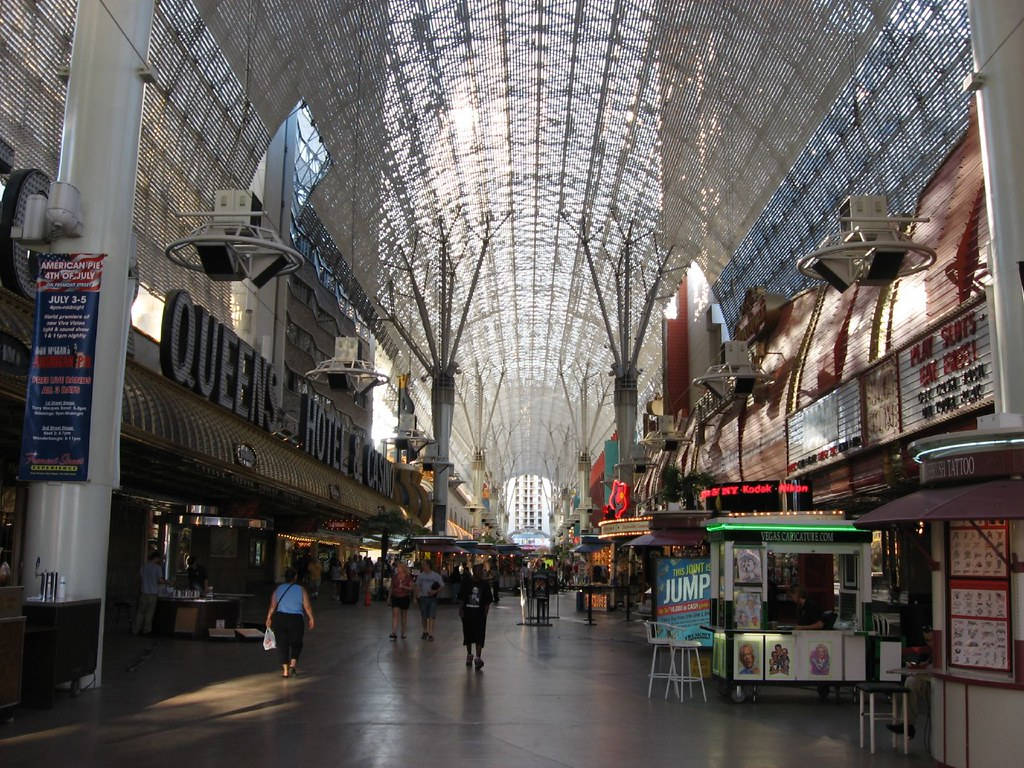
(58, 399)
(684, 596)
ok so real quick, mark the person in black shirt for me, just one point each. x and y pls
(474, 603)
(809, 615)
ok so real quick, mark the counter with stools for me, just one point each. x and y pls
(897, 692)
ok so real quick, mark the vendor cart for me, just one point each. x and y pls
(754, 640)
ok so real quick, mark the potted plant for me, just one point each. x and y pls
(672, 487)
(692, 484)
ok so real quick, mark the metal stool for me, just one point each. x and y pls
(658, 638)
(684, 676)
(890, 689)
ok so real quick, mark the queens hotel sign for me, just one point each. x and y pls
(201, 353)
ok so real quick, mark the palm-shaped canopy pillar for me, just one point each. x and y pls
(585, 429)
(629, 271)
(436, 311)
(479, 428)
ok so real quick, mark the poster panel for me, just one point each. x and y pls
(684, 596)
(780, 657)
(58, 398)
(819, 656)
(748, 657)
(746, 609)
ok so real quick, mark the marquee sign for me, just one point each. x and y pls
(326, 438)
(825, 430)
(201, 353)
(947, 372)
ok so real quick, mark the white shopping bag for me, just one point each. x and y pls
(269, 641)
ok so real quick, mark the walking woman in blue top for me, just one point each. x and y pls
(284, 616)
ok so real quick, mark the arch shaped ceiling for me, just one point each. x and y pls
(682, 116)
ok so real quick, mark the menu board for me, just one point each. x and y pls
(978, 551)
(979, 595)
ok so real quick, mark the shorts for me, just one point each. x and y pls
(400, 602)
(428, 607)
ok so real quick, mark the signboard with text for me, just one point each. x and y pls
(58, 396)
(824, 431)
(758, 496)
(946, 372)
(684, 596)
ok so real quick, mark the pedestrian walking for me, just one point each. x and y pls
(315, 571)
(401, 595)
(152, 576)
(474, 603)
(428, 587)
(284, 616)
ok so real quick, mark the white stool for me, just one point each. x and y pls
(895, 690)
(684, 675)
(657, 637)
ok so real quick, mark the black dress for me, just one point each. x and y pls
(474, 597)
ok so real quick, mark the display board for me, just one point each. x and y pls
(824, 431)
(979, 596)
(684, 596)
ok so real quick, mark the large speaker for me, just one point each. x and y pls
(217, 261)
(825, 273)
(885, 267)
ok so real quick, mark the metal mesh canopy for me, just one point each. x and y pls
(680, 116)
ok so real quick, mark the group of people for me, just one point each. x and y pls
(290, 611)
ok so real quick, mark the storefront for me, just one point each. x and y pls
(973, 508)
(187, 458)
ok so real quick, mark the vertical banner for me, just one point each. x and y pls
(684, 596)
(58, 400)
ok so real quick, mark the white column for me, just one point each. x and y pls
(68, 524)
(998, 44)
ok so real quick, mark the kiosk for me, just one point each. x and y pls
(750, 556)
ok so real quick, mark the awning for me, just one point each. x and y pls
(669, 538)
(983, 501)
(586, 549)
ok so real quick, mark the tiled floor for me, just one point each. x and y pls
(568, 695)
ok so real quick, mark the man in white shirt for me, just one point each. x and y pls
(428, 586)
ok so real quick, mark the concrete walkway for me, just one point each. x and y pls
(567, 695)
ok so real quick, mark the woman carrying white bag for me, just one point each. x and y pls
(285, 626)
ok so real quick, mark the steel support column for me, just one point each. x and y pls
(999, 59)
(442, 408)
(68, 524)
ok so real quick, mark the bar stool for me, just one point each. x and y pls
(657, 637)
(894, 690)
(684, 676)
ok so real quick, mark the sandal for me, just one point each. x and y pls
(478, 663)
(393, 636)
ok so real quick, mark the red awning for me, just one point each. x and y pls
(999, 499)
(677, 537)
